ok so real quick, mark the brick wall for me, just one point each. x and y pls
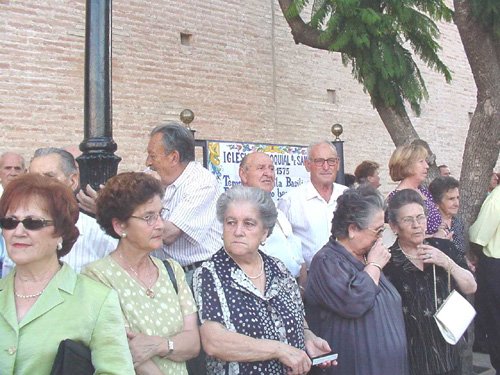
(242, 75)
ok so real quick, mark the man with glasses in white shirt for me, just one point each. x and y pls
(309, 208)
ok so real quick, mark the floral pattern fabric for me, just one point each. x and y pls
(225, 295)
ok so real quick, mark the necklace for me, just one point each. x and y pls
(28, 296)
(408, 255)
(246, 274)
(261, 270)
(45, 279)
(149, 291)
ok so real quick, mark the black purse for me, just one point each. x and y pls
(72, 358)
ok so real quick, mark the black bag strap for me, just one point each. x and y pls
(171, 274)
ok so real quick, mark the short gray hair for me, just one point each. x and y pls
(356, 206)
(325, 142)
(259, 198)
(176, 138)
(68, 163)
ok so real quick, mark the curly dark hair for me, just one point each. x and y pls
(364, 170)
(356, 206)
(55, 198)
(121, 195)
(440, 186)
(402, 198)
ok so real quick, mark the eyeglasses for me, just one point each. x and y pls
(320, 161)
(409, 220)
(378, 232)
(29, 223)
(150, 219)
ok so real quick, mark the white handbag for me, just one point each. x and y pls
(454, 315)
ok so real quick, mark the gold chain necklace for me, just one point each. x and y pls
(149, 291)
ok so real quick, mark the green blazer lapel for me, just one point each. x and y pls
(63, 281)
(7, 303)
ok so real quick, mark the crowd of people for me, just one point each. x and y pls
(167, 273)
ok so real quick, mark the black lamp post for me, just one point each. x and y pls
(98, 162)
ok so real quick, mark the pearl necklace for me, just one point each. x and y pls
(408, 255)
(149, 291)
(261, 270)
(28, 296)
(47, 277)
(246, 274)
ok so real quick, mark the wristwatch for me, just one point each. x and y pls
(170, 344)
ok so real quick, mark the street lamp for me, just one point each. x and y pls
(337, 130)
(98, 162)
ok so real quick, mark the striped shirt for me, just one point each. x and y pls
(91, 245)
(189, 204)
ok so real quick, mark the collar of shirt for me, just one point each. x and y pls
(312, 193)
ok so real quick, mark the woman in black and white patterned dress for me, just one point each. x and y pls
(249, 304)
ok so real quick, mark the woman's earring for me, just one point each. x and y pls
(123, 235)
(59, 246)
(262, 243)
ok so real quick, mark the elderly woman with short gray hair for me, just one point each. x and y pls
(348, 299)
(249, 304)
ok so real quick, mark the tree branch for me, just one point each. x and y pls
(302, 33)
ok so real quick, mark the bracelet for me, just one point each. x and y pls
(375, 265)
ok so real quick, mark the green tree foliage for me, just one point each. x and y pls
(487, 12)
(376, 36)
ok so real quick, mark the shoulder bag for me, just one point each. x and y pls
(454, 315)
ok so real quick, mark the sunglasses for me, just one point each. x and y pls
(29, 223)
